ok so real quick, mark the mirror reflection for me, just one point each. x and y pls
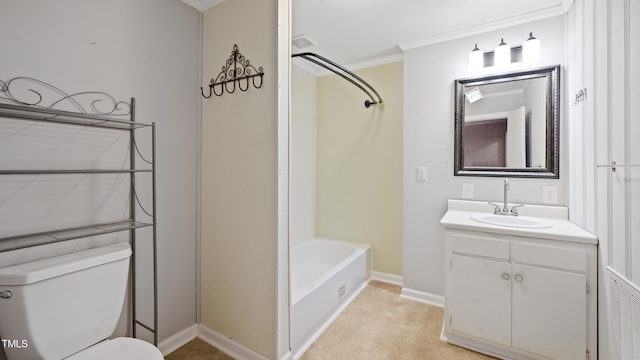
(506, 125)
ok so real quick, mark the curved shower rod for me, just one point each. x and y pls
(322, 61)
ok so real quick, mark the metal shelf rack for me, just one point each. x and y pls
(12, 108)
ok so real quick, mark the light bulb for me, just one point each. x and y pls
(531, 49)
(502, 54)
(476, 59)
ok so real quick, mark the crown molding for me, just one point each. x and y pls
(305, 66)
(203, 5)
(567, 4)
(376, 62)
(495, 25)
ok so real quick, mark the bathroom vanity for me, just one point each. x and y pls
(519, 287)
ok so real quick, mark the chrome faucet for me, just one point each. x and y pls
(505, 207)
(506, 188)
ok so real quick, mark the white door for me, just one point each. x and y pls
(549, 312)
(480, 303)
(624, 138)
(516, 139)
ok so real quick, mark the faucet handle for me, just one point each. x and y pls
(497, 209)
(513, 209)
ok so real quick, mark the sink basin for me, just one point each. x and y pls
(511, 221)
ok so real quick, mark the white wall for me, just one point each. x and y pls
(429, 77)
(302, 212)
(147, 49)
(596, 54)
(587, 47)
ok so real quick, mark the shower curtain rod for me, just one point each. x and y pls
(322, 61)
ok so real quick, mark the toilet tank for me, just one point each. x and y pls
(61, 305)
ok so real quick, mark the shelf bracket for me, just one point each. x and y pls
(36, 93)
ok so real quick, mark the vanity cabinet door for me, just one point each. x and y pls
(549, 312)
(480, 303)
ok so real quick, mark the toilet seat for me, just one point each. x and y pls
(119, 349)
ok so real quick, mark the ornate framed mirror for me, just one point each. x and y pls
(507, 124)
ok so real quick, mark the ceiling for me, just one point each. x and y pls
(363, 33)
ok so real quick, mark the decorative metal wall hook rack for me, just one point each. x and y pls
(236, 69)
(580, 96)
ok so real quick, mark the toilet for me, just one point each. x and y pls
(65, 307)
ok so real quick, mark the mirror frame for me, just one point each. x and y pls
(552, 169)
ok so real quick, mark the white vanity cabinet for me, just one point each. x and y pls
(479, 288)
(520, 294)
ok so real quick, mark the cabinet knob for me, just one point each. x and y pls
(506, 276)
(518, 278)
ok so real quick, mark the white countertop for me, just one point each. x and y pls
(458, 217)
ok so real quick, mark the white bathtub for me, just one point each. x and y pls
(325, 276)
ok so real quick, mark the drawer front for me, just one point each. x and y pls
(550, 257)
(480, 246)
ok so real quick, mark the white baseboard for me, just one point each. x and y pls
(241, 352)
(219, 341)
(227, 345)
(171, 344)
(387, 278)
(423, 297)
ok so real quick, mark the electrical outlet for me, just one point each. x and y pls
(550, 194)
(467, 191)
(422, 173)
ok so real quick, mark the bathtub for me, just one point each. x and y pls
(325, 276)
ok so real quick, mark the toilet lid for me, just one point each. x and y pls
(119, 349)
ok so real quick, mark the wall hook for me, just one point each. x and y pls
(236, 69)
(580, 96)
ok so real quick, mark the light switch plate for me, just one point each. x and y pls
(422, 173)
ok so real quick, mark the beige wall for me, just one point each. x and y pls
(239, 179)
(359, 164)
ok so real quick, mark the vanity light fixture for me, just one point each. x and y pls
(505, 55)
(502, 54)
(531, 49)
(476, 59)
